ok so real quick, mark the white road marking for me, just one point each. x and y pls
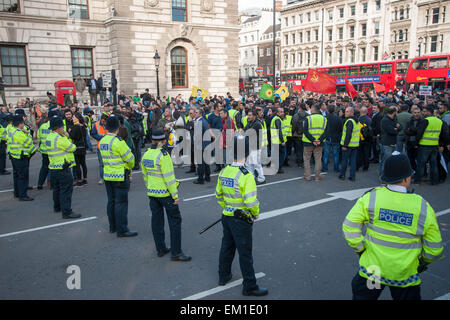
(10, 190)
(46, 227)
(220, 288)
(260, 186)
(441, 213)
(444, 297)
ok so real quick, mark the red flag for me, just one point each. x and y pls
(350, 89)
(379, 88)
(320, 82)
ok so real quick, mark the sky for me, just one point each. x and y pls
(245, 4)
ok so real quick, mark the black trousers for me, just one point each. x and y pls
(298, 149)
(362, 292)
(363, 155)
(203, 171)
(80, 164)
(2, 156)
(62, 184)
(412, 155)
(43, 173)
(21, 169)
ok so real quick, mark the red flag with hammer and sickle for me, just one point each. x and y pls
(320, 82)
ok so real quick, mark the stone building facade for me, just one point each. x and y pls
(43, 41)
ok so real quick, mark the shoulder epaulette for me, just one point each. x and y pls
(369, 191)
(164, 152)
(244, 170)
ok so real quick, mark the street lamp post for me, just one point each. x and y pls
(157, 59)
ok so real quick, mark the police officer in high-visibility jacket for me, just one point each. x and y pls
(162, 190)
(287, 132)
(3, 145)
(21, 149)
(236, 193)
(43, 132)
(60, 151)
(278, 136)
(118, 160)
(402, 236)
(350, 143)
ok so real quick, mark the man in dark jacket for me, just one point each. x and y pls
(93, 89)
(410, 136)
(254, 129)
(333, 134)
(376, 130)
(101, 89)
(146, 98)
(137, 133)
(350, 143)
(365, 141)
(297, 133)
(389, 132)
(201, 126)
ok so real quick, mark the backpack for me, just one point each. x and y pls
(137, 130)
(366, 131)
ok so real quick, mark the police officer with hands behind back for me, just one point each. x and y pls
(162, 189)
(236, 194)
(402, 236)
(60, 151)
(118, 160)
(21, 149)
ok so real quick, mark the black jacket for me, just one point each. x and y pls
(411, 130)
(376, 123)
(257, 126)
(333, 132)
(389, 131)
(89, 85)
(78, 136)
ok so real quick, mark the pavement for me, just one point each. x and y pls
(298, 247)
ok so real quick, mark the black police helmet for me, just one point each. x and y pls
(112, 123)
(53, 113)
(238, 142)
(20, 112)
(158, 135)
(16, 120)
(396, 168)
(56, 122)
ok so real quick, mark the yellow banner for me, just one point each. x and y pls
(282, 92)
(199, 93)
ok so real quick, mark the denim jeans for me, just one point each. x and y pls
(88, 141)
(282, 156)
(400, 147)
(157, 206)
(21, 170)
(62, 184)
(43, 173)
(334, 147)
(237, 234)
(386, 152)
(425, 154)
(349, 156)
(117, 207)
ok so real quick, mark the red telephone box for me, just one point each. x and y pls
(62, 88)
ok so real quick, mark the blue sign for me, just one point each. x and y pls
(148, 163)
(397, 217)
(104, 147)
(448, 75)
(362, 79)
(227, 182)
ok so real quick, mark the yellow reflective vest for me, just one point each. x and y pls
(432, 132)
(286, 126)
(354, 140)
(158, 173)
(274, 132)
(43, 132)
(316, 127)
(401, 228)
(236, 189)
(116, 156)
(264, 139)
(60, 151)
(20, 144)
(244, 121)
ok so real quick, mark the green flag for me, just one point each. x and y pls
(168, 99)
(266, 92)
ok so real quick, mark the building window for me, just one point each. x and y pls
(82, 62)
(395, 15)
(286, 39)
(316, 58)
(329, 56)
(443, 14)
(293, 60)
(395, 37)
(179, 10)
(330, 35)
(308, 15)
(341, 33)
(352, 55)
(378, 4)
(353, 10)
(363, 54)
(301, 37)
(317, 15)
(293, 38)
(365, 7)
(393, 55)
(9, 5)
(78, 9)
(442, 42)
(364, 29)
(316, 32)
(178, 58)
(300, 16)
(406, 55)
(377, 27)
(286, 21)
(308, 36)
(406, 34)
(269, 51)
(330, 15)
(433, 44)
(300, 59)
(308, 58)
(375, 53)
(435, 15)
(402, 13)
(427, 16)
(340, 56)
(253, 53)
(14, 65)
(293, 20)
(341, 12)
(352, 32)
(261, 52)
(400, 36)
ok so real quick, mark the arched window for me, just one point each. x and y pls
(178, 58)
(400, 36)
(406, 55)
(402, 13)
(399, 55)
(395, 36)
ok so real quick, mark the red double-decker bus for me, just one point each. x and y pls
(429, 71)
(391, 74)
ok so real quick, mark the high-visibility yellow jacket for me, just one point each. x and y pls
(274, 131)
(158, 173)
(432, 132)
(236, 189)
(232, 113)
(9, 130)
(354, 140)
(265, 140)
(43, 132)
(19, 143)
(244, 121)
(401, 229)
(116, 156)
(3, 135)
(60, 151)
(286, 126)
(317, 124)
